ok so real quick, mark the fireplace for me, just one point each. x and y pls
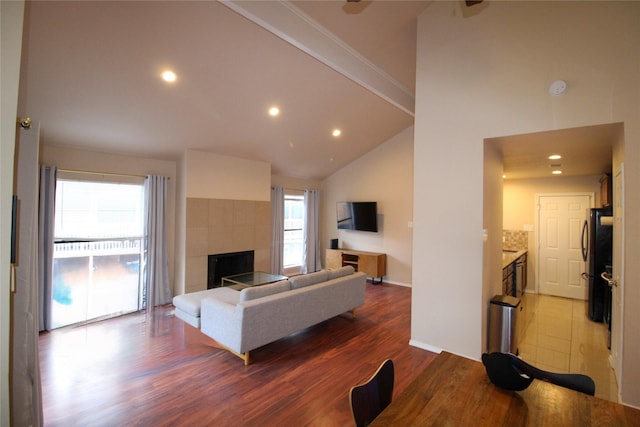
(221, 265)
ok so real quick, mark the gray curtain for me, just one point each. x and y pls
(311, 260)
(277, 229)
(157, 290)
(46, 228)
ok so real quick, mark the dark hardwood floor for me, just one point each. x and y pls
(155, 370)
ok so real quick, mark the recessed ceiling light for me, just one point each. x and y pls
(336, 132)
(274, 111)
(169, 76)
(555, 157)
(504, 176)
(556, 172)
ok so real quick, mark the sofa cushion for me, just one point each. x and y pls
(190, 303)
(255, 292)
(308, 279)
(340, 272)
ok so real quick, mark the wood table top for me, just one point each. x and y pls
(455, 391)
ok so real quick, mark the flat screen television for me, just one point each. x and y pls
(361, 216)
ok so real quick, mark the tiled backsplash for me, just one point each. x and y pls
(515, 239)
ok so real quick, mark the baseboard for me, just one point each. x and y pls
(424, 346)
(406, 285)
(439, 350)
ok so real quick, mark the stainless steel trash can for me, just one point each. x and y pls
(503, 324)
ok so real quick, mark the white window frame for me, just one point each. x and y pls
(291, 195)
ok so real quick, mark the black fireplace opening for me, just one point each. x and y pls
(222, 265)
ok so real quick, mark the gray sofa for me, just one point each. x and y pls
(244, 320)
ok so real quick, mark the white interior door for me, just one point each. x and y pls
(560, 220)
(618, 272)
(25, 371)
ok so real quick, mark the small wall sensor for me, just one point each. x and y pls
(558, 87)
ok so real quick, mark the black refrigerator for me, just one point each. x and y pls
(596, 251)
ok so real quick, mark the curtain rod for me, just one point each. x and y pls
(300, 189)
(102, 173)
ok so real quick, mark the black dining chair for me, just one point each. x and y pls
(512, 373)
(370, 398)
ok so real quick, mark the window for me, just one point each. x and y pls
(293, 230)
(97, 250)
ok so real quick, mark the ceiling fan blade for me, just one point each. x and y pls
(472, 2)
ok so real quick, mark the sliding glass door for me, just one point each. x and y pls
(97, 250)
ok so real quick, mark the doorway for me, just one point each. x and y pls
(527, 172)
(617, 313)
(560, 267)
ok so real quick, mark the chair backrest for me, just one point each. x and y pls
(370, 398)
(512, 373)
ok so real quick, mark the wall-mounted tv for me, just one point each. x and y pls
(361, 216)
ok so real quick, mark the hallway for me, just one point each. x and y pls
(560, 338)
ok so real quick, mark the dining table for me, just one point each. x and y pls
(456, 391)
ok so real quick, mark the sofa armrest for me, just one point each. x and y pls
(222, 322)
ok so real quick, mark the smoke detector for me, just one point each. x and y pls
(557, 88)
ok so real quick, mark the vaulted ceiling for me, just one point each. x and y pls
(91, 78)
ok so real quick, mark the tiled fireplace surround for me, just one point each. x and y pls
(217, 226)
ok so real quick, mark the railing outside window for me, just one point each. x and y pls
(93, 279)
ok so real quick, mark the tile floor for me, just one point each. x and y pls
(560, 338)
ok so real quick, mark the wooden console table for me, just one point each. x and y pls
(373, 264)
(456, 391)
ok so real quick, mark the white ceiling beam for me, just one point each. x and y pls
(294, 26)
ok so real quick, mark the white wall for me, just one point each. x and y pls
(486, 76)
(213, 176)
(11, 17)
(291, 183)
(384, 175)
(519, 196)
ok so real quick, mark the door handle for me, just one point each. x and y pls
(610, 280)
(585, 244)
